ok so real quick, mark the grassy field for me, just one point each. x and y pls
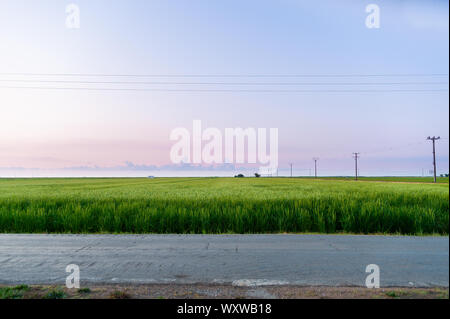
(221, 205)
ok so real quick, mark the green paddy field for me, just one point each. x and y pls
(224, 205)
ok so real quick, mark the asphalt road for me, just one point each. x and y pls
(249, 260)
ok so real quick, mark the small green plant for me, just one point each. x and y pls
(397, 294)
(21, 287)
(84, 290)
(391, 294)
(56, 293)
(13, 292)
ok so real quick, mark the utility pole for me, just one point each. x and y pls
(315, 159)
(291, 169)
(434, 139)
(356, 156)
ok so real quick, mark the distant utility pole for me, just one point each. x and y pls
(291, 169)
(356, 156)
(315, 159)
(434, 139)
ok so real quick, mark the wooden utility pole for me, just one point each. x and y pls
(291, 169)
(434, 139)
(315, 159)
(356, 156)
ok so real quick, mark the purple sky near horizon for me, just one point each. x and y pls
(51, 129)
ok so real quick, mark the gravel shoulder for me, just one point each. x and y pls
(212, 291)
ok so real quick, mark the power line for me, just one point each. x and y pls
(226, 83)
(356, 156)
(392, 148)
(381, 150)
(315, 159)
(434, 139)
(223, 90)
(230, 75)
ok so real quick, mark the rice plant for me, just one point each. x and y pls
(221, 205)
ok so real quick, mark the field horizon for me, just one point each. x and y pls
(387, 178)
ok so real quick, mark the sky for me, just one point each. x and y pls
(51, 126)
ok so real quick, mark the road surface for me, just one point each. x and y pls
(242, 260)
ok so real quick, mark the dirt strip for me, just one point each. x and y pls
(213, 291)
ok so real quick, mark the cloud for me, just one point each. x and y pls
(130, 166)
